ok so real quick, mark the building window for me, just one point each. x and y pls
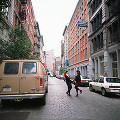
(83, 40)
(85, 2)
(114, 65)
(82, 5)
(97, 21)
(86, 53)
(98, 42)
(80, 42)
(95, 5)
(86, 38)
(113, 32)
(75, 58)
(80, 10)
(112, 7)
(85, 13)
(82, 17)
(83, 54)
(78, 57)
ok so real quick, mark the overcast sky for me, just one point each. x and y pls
(52, 16)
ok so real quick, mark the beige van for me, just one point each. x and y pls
(23, 79)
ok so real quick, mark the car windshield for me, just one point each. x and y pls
(85, 77)
(113, 80)
(73, 77)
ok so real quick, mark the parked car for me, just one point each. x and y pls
(54, 75)
(106, 85)
(84, 80)
(61, 77)
(23, 79)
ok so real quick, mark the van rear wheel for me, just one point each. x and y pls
(41, 101)
(5, 102)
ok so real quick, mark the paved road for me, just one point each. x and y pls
(60, 106)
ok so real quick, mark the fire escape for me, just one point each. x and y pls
(23, 10)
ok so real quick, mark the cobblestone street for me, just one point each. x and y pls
(60, 106)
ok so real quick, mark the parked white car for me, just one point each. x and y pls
(106, 85)
(85, 81)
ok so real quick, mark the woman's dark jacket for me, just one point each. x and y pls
(67, 79)
(78, 78)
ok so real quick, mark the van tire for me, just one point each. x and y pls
(40, 101)
(5, 102)
(43, 101)
(47, 89)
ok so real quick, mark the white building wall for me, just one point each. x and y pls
(50, 60)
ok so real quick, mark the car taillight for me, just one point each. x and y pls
(114, 86)
(82, 80)
(41, 81)
(91, 81)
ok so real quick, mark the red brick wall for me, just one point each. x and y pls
(76, 46)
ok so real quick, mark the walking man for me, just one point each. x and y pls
(78, 81)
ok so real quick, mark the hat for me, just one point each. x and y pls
(77, 71)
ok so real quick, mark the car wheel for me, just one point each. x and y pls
(104, 93)
(91, 88)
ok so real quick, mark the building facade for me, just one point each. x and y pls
(38, 44)
(49, 61)
(5, 23)
(21, 13)
(104, 37)
(62, 53)
(78, 46)
(65, 57)
(57, 65)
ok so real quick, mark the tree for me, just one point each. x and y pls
(61, 71)
(19, 45)
(2, 50)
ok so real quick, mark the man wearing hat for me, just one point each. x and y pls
(78, 81)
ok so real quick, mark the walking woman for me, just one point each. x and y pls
(68, 82)
(78, 81)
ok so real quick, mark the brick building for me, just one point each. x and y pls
(78, 46)
(21, 13)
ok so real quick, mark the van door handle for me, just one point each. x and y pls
(23, 77)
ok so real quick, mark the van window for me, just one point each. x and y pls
(11, 68)
(29, 68)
